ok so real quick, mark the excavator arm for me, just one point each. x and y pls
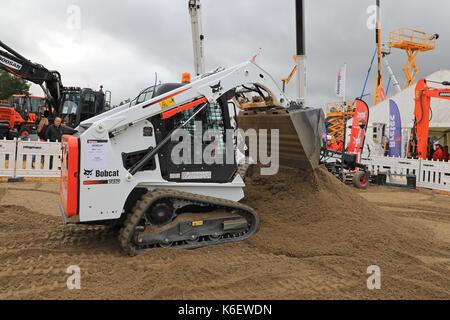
(424, 93)
(50, 81)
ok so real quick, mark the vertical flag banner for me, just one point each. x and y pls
(359, 126)
(340, 82)
(324, 135)
(395, 130)
(382, 94)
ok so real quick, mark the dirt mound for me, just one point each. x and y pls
(316, 239)
(313, 216)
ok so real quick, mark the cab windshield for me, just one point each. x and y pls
(36, 104)
(146, 95)
(28, 104)
(71, 101)
(70, 107)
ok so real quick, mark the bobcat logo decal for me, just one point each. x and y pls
(216, 88)
(88, 173)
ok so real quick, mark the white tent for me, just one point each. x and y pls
(378, 128)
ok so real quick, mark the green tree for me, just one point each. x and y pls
(10, 84)
(125, 102)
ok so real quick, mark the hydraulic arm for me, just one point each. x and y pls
(50, 81)
(422, 111)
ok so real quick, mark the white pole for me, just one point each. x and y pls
(301, 78)
(392, 75)
(345, 81)
(301, 55)
(197, 35)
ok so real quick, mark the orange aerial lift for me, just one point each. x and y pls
(424, 93)
(293, 71)
(413, 42)
(336, 112)
(378, 96)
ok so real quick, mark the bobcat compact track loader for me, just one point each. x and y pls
(121, 167)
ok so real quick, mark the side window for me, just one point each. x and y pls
(19, 104)
(88, 107)
(89, 104)
(149, 95)
(99, 104)
(211, 118)
(141, 98)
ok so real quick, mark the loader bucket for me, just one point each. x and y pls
(300, 133)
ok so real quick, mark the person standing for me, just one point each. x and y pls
(438, 154)
(54, 131)
(42, 128)
(445, 154)
(340, 145)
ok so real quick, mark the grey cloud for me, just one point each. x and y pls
(128, 40)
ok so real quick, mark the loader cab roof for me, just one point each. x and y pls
(150, 93)
(145, 95)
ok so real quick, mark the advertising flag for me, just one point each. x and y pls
(359, 126)
(383, 94)
(395, 130)
(340, 83)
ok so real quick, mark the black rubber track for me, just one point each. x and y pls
(127, 234)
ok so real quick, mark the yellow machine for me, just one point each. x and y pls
(336, 111)
(294, 70)
(379, 87)
(413, 42)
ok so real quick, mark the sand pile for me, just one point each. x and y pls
(316, 239)
(313, 215)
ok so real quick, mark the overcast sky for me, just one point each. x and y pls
(121, 44)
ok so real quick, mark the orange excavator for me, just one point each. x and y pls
(424, 93)
(72, 104)
(23, 114)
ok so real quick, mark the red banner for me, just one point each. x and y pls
(359, 126)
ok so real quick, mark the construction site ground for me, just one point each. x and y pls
(317, 238)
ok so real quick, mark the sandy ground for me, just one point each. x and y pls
(316, 240)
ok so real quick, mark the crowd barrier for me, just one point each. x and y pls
(22, 159)
(429, 174)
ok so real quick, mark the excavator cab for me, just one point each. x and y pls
(28, 104)
(80, 104)
(29, 107)
(21, 118)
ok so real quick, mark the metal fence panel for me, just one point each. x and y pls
(429, 174)
(7, 157)
(435, 175)
(401, 166)
(38, 159)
